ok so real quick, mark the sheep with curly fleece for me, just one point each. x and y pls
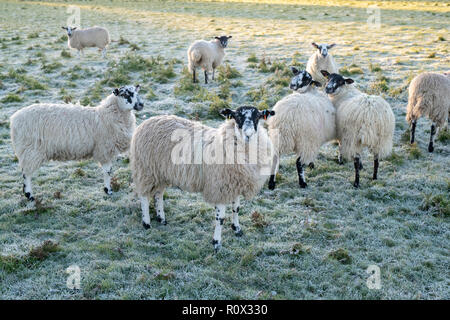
(207, 55)
(223, 164)
(362, 121)
(87, 38)
(304, 121)
(321, 60)
(48, 131)
(429, 95)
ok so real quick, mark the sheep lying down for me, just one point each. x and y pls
(47, 131)
(223, 164)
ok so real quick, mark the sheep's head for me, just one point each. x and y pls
(323, 48)
(302, 80)
(335, 82)
(223, 40)
(69, 30)
(128, 98)
(246, 120)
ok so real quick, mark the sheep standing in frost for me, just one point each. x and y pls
(429, 95)
(321, 60)
(46, 131)
(87, 38)
(361, 121)
(207, 55)
(304, 121)
(223, 164)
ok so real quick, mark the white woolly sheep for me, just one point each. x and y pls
(429, 95)
(361, 121)
(223, 164)
(304, 121)
(207, 55)
(46, 131)
(87, 38)
(321, 60)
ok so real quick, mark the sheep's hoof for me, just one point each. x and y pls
(163, 222)
(374, 178)
(237, 231)
(430, 148)
(28, 195)
(356, 184)
(303, 185)
(271, 185)
(216, 245)
(146, 225)
(107, 191)
(361, 166)
(31, 199)
(311, 165)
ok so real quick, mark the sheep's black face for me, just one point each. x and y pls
(69, 30)
(223, 40)
(247, 119)
(323, 48)
(129, 98)
(335, 81)
(301, 80)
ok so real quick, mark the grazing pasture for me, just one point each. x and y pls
(313, 243)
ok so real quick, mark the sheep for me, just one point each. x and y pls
(321, 60)
(429, 95)
(86, 38)
(304, 121)
(361, 121)
(207, 54)
(222, 163)
(46, 131)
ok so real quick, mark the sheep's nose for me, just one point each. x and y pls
(292, 86)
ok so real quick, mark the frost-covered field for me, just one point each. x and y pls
(313, 243)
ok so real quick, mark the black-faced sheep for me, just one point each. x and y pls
(223, 164)
(48, 131)
(361, 121)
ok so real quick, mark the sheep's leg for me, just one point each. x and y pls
(27, 190)
(159, 206)
(193, 76)
(214, 70)
(301, 173)
(104, 53)
(235, 226)
(375, 167)
(275, 164)
(145, 212)
(107, 169)
(432, 134)
(206, 77)
(413, 131)
(311, 165)
(340, 160)
(220, 215)
(356, 163)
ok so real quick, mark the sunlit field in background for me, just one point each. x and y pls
(313, 243)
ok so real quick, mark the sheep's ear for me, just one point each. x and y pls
(331, 45)
(325, 73)
(229, 37)
(217, 38)
(116, 92)
(227, 113)
(295, 71)
(266, 114)
(349, 81)
(137, 87)
(65, 28)
(74, 28)
(315, 45)
(316, 83)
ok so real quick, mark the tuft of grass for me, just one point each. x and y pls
(396, 159)
(351, 70)
(122, 41)
(115, 184)
(414, 151)
(48, 68)
(441, 38)
(438, 204)
(252, 58)
(28, 81)
(227, 72)
(258, 220)
(65, 54)
(375, 67)
(432, 55)
(340, 255)
(79, 173)
(380, 85)
(11, 97)
(443, 136)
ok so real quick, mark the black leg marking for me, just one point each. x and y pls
(206, 77)
(311, 165)
(23, 188)
(214, 70)
(28, 195)
(433, 132)
(146, 226)
(272, 182)
(413, 131)
(193, 76)
(301, 174)
(237, 231)
(356, 163)
(106, 190)
(360, 165)
(375, 167)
